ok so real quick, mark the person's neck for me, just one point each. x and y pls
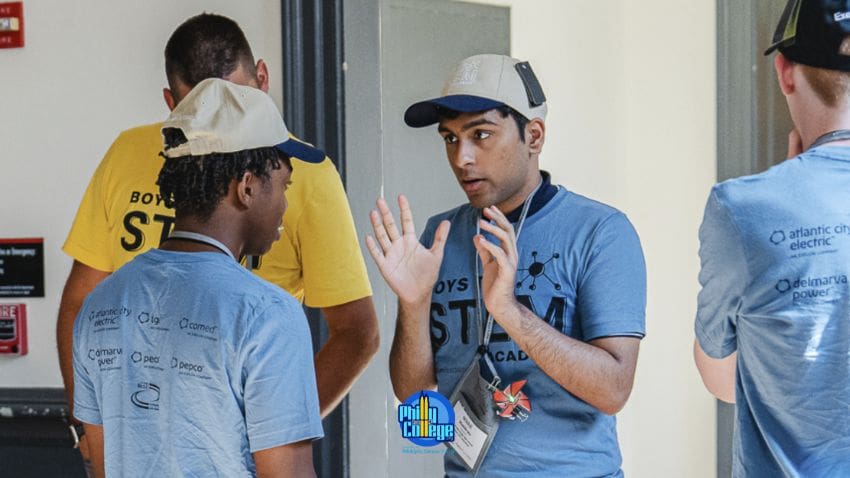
(543, 194)
(818, 124)
(519, 198)
(212, 228)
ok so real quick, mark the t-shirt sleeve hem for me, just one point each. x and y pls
(307, 431)
(86, 257)
(711, 347)
(631, 326)
(87, 415)
(338, 297)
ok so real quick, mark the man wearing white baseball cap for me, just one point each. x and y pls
(185, 363)
(538, 356)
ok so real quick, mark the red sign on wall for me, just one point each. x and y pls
(11, 25)
(13, 329)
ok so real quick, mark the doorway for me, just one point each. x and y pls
(752, 124)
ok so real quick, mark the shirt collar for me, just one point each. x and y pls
(546, 192)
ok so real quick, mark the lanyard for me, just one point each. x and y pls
(203, 239)
(831, 137)
(484, 336)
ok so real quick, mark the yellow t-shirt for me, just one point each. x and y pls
(317, 258)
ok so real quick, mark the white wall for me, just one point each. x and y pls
(89, 70)
(631, 90)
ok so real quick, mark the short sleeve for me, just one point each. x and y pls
(88, 241)
(611, 292)
(723, 275)
(86, 405)
(427, 236)
(281, 401)
(333, 267)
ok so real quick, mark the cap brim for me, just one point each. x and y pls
(780, 44)
(424, 113)
(786, 29)
(303, 151)
(772, 48)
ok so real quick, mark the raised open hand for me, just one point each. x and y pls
(408, 268)
(499, 262)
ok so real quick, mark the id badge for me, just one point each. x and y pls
(476, 421)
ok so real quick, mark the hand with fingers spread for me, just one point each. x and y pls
(499, 262)
(408, 268)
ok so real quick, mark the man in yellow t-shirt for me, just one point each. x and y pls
(317, 259)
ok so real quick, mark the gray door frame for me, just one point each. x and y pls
(314, 106)
(752, 123)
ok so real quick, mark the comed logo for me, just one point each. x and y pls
(426, 418)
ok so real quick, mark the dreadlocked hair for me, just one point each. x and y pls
(194, 185)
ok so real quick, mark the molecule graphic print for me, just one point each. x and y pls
(535, 270)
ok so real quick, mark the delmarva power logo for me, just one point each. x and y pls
(426, 418)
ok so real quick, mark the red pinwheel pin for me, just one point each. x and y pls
(512, 402)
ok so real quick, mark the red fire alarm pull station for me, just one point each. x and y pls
(13, 329)
(11, 25)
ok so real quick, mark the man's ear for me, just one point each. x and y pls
(785, 74)
(246, 190)
(535, 135)
(262, 76)
(169, 99)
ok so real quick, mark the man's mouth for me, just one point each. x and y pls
(472, 184)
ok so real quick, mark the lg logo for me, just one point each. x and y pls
(146, 318)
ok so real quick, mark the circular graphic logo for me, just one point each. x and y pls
(778, 237)
(783, 286)
(426, 418)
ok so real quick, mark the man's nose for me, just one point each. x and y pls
(464, 154)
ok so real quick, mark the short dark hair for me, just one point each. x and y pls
(206, 46)
(194, 185)
(504, 110)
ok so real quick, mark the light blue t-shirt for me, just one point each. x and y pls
(775, 252)
(582, 270)
(191, 363)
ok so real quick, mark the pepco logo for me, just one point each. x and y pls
(183, 366)
(137, 357)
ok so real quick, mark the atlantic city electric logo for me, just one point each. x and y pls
(426, 418)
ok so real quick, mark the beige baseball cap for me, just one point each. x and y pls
(218, 116)
(481, 83)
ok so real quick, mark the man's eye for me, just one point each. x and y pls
(482, 134)
(450, 139)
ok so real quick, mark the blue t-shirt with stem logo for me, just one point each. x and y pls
(775, 252)
(191, 363)
(581, 269)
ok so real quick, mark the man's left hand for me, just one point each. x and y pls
(500, 262)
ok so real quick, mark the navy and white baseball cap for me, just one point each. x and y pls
(811, 32)
(481, 83)
(218, 116)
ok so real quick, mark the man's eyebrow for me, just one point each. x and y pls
(471, 124)
(475, 123)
